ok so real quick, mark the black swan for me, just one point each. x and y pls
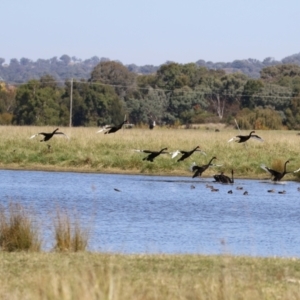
(223, 178)
(275, 175)
(186, 154)
(200, 169)
(48, 136)
(152, 154)
(245, 138)
(111, 129)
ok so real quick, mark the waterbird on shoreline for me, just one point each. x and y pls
(48, 136)
(276, 175)
(245, 138)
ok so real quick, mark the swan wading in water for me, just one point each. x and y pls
(276, 175)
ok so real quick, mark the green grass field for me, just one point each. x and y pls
(87, 151)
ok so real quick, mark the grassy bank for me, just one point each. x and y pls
(107, 276)
(87, 151)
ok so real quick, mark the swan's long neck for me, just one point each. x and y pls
(232, 180)
(284, 170)
(211, 161)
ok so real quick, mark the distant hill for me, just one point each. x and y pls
(66, 67)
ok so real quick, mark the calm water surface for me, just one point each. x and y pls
(157, 214)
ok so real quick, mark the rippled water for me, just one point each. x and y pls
(158, 214)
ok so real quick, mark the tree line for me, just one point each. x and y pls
(65, 67)
(175, 94)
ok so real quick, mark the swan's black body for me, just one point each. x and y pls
(48, 136)
(186, 154)
(223, 178)
(112, 129)
(200, 169)
(153, 154)
(245, 138)
(277, 176)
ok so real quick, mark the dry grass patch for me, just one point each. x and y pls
(69, 235)
(162, 277)
(18, 232)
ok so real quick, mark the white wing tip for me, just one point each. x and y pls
(175, 153)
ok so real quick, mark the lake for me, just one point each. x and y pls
(161, 214)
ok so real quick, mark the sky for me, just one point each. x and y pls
(150, 32)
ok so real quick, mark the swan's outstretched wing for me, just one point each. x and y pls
(175, 153)
(215, 165)
(201, 151)
(192, 167)
(61, 133)
(104, 128)
(33, 136)
(270, 171)
(256, 137)
(144, 151)
(232, 139)
(296, 171)
(264, 167)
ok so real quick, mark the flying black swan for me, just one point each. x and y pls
(223, 178)
(111, 129)
(153, 154)
(200, 169)
(275, 175)
(245, 138)
(186, 154)
(48, 136)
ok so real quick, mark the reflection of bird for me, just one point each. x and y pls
(245, 138)
(152, 154)
(239, 187)
(48, 136)
(186, 154)
(111, 129)
(277, 176)
(223, 178)
(200, 169)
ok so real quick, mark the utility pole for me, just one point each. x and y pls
(71, 102)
